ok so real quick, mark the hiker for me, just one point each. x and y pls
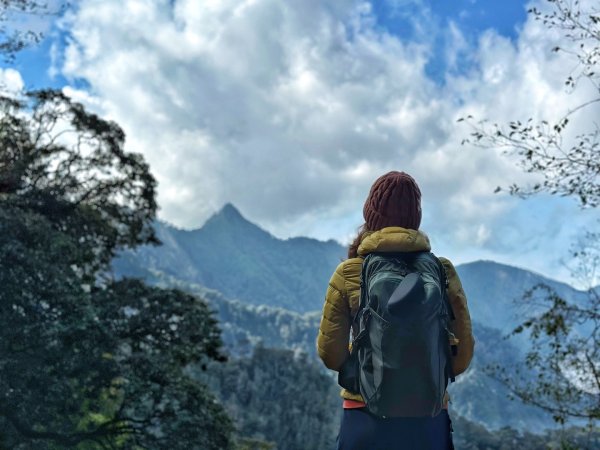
(392, 214)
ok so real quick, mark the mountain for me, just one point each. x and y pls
(269, 292)
(495, 292)
(240, 260)
(237, 258)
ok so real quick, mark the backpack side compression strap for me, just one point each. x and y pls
(446, 300)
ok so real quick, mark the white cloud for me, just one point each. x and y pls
(291, 109)
(290, 99)
(11, 82)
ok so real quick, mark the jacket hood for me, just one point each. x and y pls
(394, 239)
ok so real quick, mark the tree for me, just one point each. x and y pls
(472, 436)
(13, 39)
(564, 357)
(279, 397)
(568, 167)
(87, 361)
(562, 366)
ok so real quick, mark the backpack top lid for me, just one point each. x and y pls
(410, 290)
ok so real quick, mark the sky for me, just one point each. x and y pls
(291, 109)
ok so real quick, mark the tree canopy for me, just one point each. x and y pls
(86, 360)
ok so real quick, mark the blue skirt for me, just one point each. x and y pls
(361, 430)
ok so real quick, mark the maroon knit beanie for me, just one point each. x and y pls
(394, 201)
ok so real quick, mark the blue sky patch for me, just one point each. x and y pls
(432, 21)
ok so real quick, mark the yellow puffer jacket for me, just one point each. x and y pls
(343, 292)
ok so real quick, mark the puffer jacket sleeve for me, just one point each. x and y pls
(334, 331)
(461, 327)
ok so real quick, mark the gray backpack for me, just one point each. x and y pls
(401, 356)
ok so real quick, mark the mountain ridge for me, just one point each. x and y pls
(241, 260)
(230, 257)
(229, 214)
(238, 258)
(230, 217)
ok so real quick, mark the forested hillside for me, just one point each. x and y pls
(278, 396)
(86, 361)
(493, 291)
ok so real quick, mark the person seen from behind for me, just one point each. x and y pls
(400, 375)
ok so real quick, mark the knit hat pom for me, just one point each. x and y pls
(394, 200)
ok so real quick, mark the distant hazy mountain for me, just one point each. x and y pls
(270, 291)
(240, 260)
(495, 292)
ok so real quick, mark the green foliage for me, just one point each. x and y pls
(472, 436)
(279, 397)
(69, 166)
(245, 326)
(85, 361)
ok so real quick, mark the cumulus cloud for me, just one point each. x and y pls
(291, 109)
